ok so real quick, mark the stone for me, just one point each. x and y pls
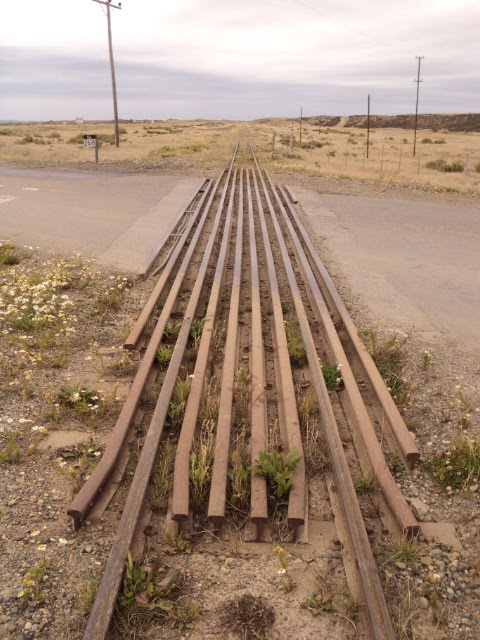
(419, 508)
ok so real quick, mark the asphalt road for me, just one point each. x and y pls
(415, 264)
(92, 212)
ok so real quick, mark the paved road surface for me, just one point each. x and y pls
(117, 218)
(415, 264)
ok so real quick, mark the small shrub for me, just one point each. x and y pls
(477, 167)
(164, 355)
(332, 376)
(365, 485)
(458, 467)
(442, 165)
(296, 348)
(278, 470)
(427, 141)
(440, 141)
(389, 360)
(82, 400)
(172, 329)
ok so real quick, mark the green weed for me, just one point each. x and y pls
(459, 466)
(278, 470)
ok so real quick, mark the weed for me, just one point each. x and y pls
(178, 403)
(426, 359)
(209, 412)
(196, 330)
(162, 476)
(11, 255)
(122, 364)
(278, 470)
(332, 376)
(145, 596)
(317, 603)
(248, 617)
(32, 584)
(287, 583)
(80, 399)
(239, 476)
(458, 467)
(401, 550)
(76, 464)
(365, 484)
(285, 307)
(389, 360)
(242, 400)
(296, 348)
(201, 463)
(163, 356)
(313, 444)
(87, 592)
(443, 165)
(172, 329)
(177, 544)
(427, 141)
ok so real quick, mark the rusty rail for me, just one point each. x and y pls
(286, 389)
(218, 490)
(403, 437)
(85, 498)
(183, 211)
(103, 607)
(380, 623)
(148, 309)
(357, 411)
(181, 494)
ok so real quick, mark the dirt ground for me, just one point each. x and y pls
(39, 551)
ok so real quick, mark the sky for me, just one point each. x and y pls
(237, 60)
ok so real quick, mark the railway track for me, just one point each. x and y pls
(234, 342)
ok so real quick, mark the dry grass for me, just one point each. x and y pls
(330, 159)
(335, 151)
(173, 143)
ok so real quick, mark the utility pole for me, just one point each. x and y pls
(112, 66)
(368, 125)
(301, 124)
(418, 81)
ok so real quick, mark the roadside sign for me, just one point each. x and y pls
(90, 140)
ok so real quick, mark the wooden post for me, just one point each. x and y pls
(381, 160)
(400, 160)
(273, 144)
(96, 153)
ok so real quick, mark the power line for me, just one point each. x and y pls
(418, 81)
(112, 65)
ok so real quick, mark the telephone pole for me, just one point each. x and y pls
(418, 81)
(368, 125)
(112, 65)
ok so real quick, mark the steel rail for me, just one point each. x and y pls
(258, 420)
(380, 622)
(104, 604)
(352, 396)
(85, 498)
(403, 437)
(296, 498)
(184, 209)
(218, 489)
(147, 311)
(181, 494)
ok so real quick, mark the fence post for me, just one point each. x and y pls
(465, 169)
(381, 160)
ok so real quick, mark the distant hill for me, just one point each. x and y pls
(434, 121)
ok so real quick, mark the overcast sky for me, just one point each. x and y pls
(241, 60)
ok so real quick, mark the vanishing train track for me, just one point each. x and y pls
(239, 280)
